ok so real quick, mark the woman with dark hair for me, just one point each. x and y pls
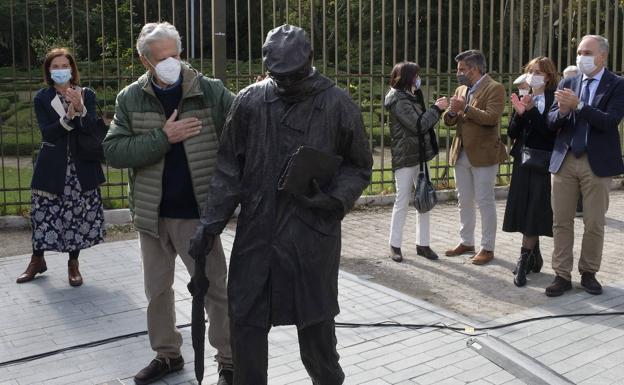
(410, 123)
(528, 209)
(66, 212)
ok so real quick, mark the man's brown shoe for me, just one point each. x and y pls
(36, 266)
(73, 274)
(157, 369)
(459, 250)
(559, 286)
(482, 257)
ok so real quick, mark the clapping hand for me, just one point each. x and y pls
(442, 103)
(74, 96)
(458, 103)
(567, 100)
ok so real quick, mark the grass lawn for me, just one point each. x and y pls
(16, 201)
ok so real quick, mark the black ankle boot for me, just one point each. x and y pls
(536, 256)
(521, 267)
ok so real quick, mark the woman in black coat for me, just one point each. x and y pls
(528, 209)
(66, 212)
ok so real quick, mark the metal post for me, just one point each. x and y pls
(218, 40)
(192, 28)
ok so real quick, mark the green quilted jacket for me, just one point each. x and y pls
(136, 140)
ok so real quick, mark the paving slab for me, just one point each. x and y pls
(47, 315)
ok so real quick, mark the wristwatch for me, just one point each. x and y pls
(580, 106)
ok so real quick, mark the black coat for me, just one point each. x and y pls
(285, 259)
(56, 141)
(528, 209)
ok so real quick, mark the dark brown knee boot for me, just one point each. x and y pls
(75, 279)
(36, 265)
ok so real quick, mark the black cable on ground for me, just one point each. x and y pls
(466, 330)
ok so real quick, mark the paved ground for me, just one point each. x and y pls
(47, 314)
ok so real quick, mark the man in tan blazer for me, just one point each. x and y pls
(476, 110)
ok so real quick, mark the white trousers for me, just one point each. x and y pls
(476, 185)
(405, 178)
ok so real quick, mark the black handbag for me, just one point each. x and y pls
(425, 197)
(533, 158)
(89, 140)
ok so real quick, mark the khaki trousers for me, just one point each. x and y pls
(159, 256)
(476, 184)
(574, 176)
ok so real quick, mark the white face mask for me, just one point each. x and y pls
(536, 81)
(586, 64)
(168, 70)
(523, 92)
(417, 83)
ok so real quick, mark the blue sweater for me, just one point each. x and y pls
(178, 199)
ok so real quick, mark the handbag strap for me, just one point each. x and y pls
(421, 142)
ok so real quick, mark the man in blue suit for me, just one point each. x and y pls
(586, 156)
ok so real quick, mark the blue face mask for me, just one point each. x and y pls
(61, 76)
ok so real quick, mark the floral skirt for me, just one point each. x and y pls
(68, 222)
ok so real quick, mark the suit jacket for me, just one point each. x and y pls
(478, 130)
(535, 125)
(56, 142)
(603, 115)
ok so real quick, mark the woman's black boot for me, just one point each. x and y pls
(536, 256)
(521, 267)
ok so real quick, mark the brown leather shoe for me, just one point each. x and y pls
(36, 265)
(75, 279)
(482, 257)
(459, 250)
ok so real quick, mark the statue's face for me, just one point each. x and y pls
(288, 81)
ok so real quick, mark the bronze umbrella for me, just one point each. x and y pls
(198, 288)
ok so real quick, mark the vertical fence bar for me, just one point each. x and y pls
(460, 40)
(274, 20)
(394, 31)
(324, 38)
(416, 34)
(521, 38)
(588, 15)
(371, 76)
(481, 26)
(550, 29)
(531, 35)
(249, 41)
(336, 30)
(614, 54)
(237, 70)
(491, 55)
(470, 26)
(405, 30)
(201, 36)
(597, 24)
(348, 46)
(511, 35)
(501, 34)
(560, 34)
(219, 59)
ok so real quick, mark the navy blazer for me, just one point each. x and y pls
(604, 114)
(56, 143)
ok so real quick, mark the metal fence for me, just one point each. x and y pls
(355, 42)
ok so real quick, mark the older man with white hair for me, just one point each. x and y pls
(166, 131)
(587, 154)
